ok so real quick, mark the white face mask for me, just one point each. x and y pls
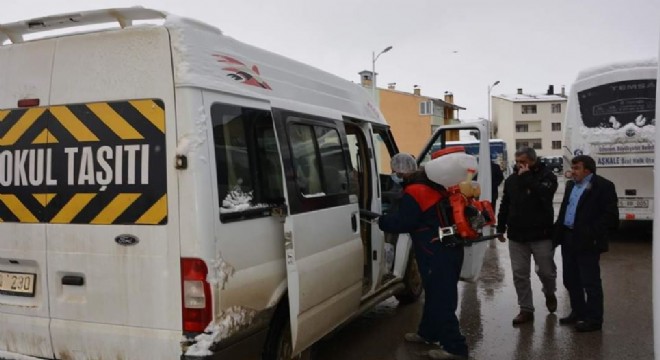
(396, 178)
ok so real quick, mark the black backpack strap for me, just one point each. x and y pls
(446, 233)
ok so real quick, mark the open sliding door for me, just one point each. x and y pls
(323, 249)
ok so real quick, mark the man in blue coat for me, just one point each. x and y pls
(439, 264)
(588, 213)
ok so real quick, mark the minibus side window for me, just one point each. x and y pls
(305, 160)
(248, 164)
(318, 160)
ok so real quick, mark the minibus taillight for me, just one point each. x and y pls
(196, 295)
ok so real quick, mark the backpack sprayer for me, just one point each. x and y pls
(460, 207)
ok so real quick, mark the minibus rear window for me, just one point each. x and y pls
(248, 167)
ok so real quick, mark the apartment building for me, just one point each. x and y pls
(533, 120)
(412, 116)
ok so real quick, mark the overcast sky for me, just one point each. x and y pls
(460, 46)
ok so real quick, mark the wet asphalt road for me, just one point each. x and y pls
(487, 307)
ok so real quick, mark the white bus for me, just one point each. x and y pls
(611, 117)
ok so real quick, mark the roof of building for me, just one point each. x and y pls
(530, 97)
(440, 101)
(444, 103)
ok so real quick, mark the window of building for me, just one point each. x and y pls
(533, 143)
(556, 145)
(556, 126)
(556, 108)
(529, 109)
(522, 143)
(426, 108)
(247, 160)
(522, 128)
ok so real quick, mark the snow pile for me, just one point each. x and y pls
(229, 322)
(220, 271)
(187, 37)
(190, 142)
(239, 200)
(236, 200)
(315, 195)
(615, 66)
(181, 67)
(619, 134)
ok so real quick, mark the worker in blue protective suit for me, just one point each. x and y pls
(419, 213)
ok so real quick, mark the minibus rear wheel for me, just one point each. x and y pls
(413, 282)
(278, 345)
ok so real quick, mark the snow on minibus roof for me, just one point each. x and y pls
(614, 66)
(204, 57)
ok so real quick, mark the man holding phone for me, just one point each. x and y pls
(527, 216)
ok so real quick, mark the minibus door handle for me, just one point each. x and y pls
(354, 221)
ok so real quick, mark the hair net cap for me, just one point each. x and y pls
(403, 163)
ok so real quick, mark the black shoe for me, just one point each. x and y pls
(587, 326)
(571, 319)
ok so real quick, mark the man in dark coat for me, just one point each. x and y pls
(439, 265)
(527, 215)
(588, 213)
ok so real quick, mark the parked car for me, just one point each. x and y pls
(555, 163)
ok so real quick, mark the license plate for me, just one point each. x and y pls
(633, 203)
(18, 284)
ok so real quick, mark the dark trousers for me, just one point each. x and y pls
(582, 278)
(440, 273)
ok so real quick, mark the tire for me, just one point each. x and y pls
(413, 282)
(278, 344)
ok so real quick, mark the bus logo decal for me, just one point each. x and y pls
(238, 71)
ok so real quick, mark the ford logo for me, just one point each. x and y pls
(630, 132)
(127, 239)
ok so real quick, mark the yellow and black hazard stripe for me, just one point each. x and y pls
(92, 163)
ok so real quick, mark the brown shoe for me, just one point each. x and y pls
(551, 302)
(523, 317)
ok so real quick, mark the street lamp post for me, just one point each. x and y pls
(374, 57)
(490, 115)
